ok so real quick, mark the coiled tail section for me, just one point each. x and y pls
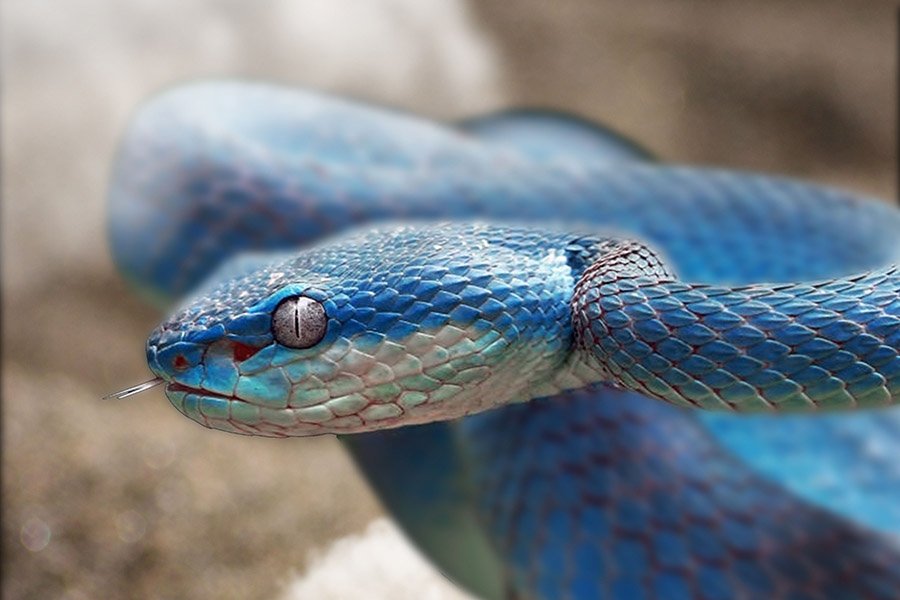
(787, 347)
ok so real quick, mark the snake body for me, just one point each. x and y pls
(528, 257)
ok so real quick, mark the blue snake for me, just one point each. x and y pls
(537, 341)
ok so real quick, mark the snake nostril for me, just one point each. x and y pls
(242, 351)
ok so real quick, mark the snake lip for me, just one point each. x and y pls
(174, 386)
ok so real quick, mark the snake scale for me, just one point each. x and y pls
(514, 324)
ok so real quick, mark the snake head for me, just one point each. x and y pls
(383, 328)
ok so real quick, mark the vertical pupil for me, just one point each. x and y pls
(299, 322)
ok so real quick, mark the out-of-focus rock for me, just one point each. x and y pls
(379, 556)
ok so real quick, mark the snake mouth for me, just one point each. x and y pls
(180, 388)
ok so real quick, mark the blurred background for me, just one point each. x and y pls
(107, 499)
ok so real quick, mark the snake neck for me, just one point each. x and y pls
(620, 264)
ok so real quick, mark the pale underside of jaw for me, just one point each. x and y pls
(235, 415)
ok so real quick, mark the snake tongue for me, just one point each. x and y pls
(135, 389)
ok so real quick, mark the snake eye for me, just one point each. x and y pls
(299, 322)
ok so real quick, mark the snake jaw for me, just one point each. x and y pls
(235, 415)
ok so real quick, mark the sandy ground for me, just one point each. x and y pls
(131, 500)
